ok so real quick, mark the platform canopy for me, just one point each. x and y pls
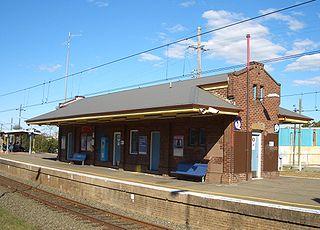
(21, 131)
(289, 117)
(7, 134)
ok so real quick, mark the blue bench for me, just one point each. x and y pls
(193, 170)
(78, 157)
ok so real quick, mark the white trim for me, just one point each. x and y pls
(131, 131)
(160, 188)
(259, 153)
(114, 147)
(151, 153)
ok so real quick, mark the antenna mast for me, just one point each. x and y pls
(67, 66)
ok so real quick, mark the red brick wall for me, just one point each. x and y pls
(265, 112)
(219, 150)
(214, 127)
(262, 117)
(222, 93)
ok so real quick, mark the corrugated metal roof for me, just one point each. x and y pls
(178, 93)
(287, 113)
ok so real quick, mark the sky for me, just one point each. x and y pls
(34, 34)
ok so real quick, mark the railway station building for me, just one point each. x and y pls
(208, 120)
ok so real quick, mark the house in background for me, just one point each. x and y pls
(203, 120)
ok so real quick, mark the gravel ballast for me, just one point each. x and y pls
(38, 215)
(43, 217)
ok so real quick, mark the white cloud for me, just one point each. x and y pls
(230, 43)
(99, 3)
(309, 62)
(268, 67)
(301, 46)
(176, 28)
(149, 57)
(49, 68)
(293, 23)
(178, 51)
(309, 81)
(187, 3)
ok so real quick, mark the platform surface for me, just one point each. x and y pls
(289, 191)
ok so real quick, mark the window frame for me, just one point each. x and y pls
(254, 91)
(131, 141)
(86, 140)
(193, 131)
(202, 137)
(261, 92)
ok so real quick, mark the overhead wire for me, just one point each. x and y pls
(163, 46)
(184, 76)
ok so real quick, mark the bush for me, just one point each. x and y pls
(45, 144)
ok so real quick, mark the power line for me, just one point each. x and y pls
(160, 47)
(184, 76)
(300, 94)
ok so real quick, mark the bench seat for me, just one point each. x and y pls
(194, 170)
(78, 157)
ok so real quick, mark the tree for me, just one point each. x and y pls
(45, 144)
(16, 127)
(312, 124)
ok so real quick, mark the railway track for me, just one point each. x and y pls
(96, 216)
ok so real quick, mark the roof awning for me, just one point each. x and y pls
(21, 131)
(164, 113)
(289, 117)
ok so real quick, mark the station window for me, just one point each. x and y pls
(202, 137)
(134, 142)
(192, 137)
(86, 142)
(254, 92)
(261, 93)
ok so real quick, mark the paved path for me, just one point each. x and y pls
(292, 191)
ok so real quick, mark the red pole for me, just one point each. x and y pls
(247, 114)
(248, 51)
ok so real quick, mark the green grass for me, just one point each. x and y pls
(10, 222)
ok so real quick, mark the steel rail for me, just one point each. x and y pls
(94, 215)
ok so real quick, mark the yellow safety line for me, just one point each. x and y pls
(199, 191)
(302, 177)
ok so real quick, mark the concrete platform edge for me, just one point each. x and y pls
(275, 212)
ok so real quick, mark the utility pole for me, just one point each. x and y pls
(199, 49)
(294, 143)
(20, 110)
(67, 66)
(299, 136)
(11, 123)
(294, 140)
(199, 52)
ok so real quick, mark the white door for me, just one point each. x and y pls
(256, 155)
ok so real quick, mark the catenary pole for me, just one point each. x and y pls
(199, 52)
(299, 136)
(294, 143)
